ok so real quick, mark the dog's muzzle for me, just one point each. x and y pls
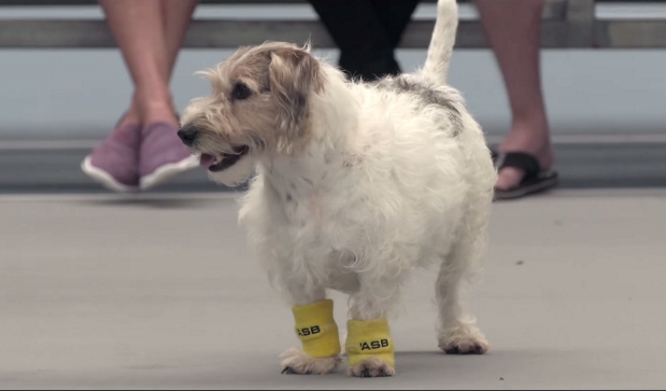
(188, 135)
(215, 164)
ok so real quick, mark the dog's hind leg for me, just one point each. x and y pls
(457, 330)
(318, 332)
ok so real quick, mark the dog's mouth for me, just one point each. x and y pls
(220, 163)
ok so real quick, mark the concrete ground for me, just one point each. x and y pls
(100, 291)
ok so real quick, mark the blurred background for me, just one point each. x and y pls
(65, 100)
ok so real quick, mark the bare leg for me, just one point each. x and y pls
(513, 29)
(176, 16)
(143, 150)
(149, 50)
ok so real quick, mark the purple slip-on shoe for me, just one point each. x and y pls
(114, 161)
(162, 155)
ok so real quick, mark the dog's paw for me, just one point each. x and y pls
(295, 362)
(463, 341)
(371, 367)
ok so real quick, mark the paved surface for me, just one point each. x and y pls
(159, 292)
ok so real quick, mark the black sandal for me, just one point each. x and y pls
(535, 180)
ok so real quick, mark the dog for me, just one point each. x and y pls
(352, 186)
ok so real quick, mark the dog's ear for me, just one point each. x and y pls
(292, 73)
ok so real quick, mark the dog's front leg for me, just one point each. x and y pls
(369, 345)
(318, 333)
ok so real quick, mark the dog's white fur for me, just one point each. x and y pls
(370, 182)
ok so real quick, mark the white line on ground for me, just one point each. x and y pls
(225, 196)
(65, 197)
(597, 138)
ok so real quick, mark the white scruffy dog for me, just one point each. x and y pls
(356, 183)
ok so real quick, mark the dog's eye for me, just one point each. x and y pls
(241, 91)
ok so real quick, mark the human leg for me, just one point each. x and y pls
(137, 28)
(365, 49)
(162, 154)
(513, 29)
(394, 16)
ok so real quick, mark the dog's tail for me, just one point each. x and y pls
(441, 43)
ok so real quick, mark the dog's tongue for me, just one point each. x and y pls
(206, 160)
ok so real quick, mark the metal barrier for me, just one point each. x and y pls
(566, 24)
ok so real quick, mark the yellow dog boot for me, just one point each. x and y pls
(318, 333)
(370, 348)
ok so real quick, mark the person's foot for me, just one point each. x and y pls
(114, 162)
(162, 155)
(131, 117)
(530, 137)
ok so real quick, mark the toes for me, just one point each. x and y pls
(509, 178)
(470, 342)
(288, 371)
(453, 350)
(372, 369)
(474, 349)
(292, 371)
(478, 349)
(376, 372)
(295, 362)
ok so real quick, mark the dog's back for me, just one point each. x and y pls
(439, 157)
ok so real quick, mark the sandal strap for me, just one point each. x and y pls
(520, 160)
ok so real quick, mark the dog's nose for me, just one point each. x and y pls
(188, 134)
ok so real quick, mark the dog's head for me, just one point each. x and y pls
(260, 103)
